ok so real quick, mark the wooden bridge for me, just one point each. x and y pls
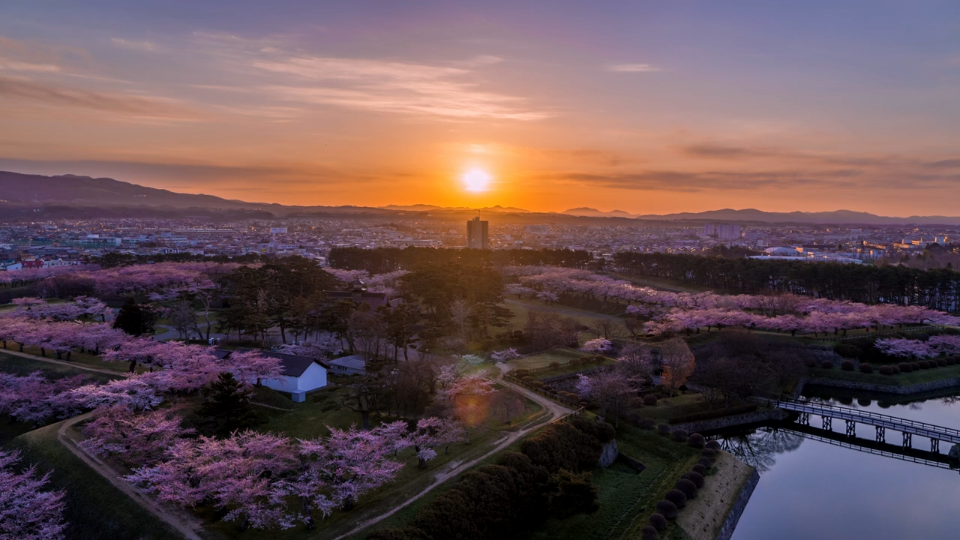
(882, 422)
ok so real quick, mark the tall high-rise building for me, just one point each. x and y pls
(477, 233)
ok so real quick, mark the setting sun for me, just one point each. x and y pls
(476, 180)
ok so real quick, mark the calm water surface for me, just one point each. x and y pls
(813, 490)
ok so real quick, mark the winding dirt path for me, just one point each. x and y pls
(183, 523)
(554, 412)
(74, 365)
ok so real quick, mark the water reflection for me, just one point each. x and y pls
(825, 485)
(758, 448)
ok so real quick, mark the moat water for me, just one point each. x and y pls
(812, 489)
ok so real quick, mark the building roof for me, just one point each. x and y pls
(353, 362)
(293, 365)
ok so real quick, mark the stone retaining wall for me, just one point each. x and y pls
(730, 421)
(882, 388)
(726, 532)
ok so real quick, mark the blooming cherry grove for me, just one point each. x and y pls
(670, 312)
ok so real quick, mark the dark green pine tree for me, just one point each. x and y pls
(226, 407)
(134, 319)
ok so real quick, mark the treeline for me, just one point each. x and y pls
(550, 476)
(937, 289)
(114, 259)
(383, 260)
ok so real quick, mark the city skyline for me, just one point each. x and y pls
(646, 109)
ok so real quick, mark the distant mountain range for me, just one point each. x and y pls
(593, 212)
(432, 208)
(837, 216)
(84, 196)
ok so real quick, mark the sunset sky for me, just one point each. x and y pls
(648, 107)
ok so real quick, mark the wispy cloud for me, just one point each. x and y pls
(133, 45)
(444, 90)
(632, 68)
(393, 87)
(56, 95)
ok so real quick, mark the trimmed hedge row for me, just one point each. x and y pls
(685, 489)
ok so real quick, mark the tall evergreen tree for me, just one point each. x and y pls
(135, 319)
(226, 407)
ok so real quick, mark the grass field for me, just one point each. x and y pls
(627, 498)
(544, 359)
(22, 366)
(94, 508)
(672, 407)
(900, 379)
(520, 307)
(76, 357)
(560, 356)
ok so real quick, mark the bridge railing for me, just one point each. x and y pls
(848, 412)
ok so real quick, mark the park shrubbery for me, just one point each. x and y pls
(649, 533)
(866, 368)
(677, 497)
(694, 477)
(846, 365)
(668, 509)
(658, 522)
(696, 440)
(548, 477)
(683, 491)
(650, 400)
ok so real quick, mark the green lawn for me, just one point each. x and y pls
(671, 407)
(76, 357)
(94, 508)
(900, 379)
(626, 498)
(544, 359)
(521, 306)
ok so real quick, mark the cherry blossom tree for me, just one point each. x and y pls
(27, 511)
(137, 439)
(237, 475)
(336, 470)
(905, 348)
(431, 433)
(253, 367)
(504, 355)
(608, 389)
(134, 393)
(678, 364)
(599, 345)
(36, 399)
